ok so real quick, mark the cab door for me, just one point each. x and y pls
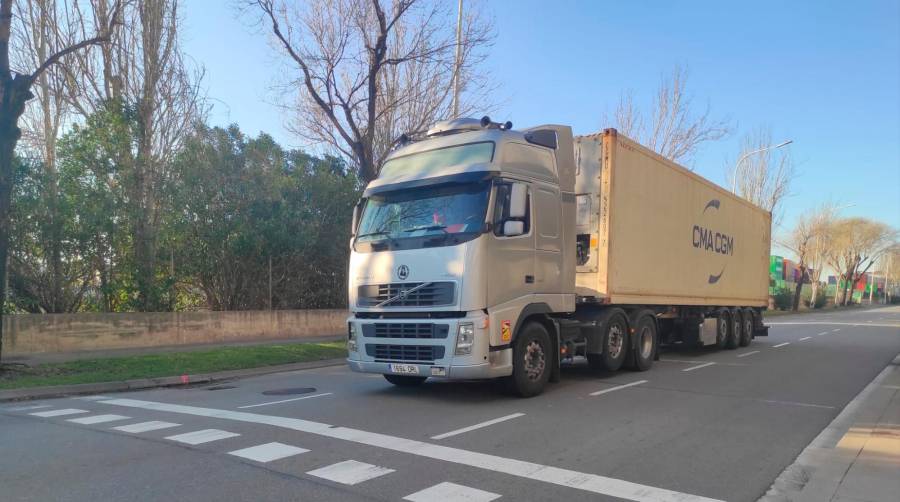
(548, 239)
(510, 259)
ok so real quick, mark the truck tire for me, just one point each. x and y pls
(746, 327)
(723, 327)
(646, 338)
(614, 342)
(405, 380)
(734, 330)
(531, 361)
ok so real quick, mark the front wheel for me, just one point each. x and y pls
(531, 361)
(405, 380)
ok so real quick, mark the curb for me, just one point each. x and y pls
(150, 383)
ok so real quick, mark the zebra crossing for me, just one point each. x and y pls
(348, 472)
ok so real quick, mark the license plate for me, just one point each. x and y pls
(405, 369)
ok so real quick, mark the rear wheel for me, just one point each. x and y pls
(531, 361)
(614, 343)
(746, 327)
(734, 330)
(646, 338)
(723, 326)
(405, 380)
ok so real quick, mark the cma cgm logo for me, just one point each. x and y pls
(712, 240)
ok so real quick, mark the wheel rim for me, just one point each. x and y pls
(723, 329)
(535, 361)
(615, 341)
(748, 327)
(737, 327)
(646, 342)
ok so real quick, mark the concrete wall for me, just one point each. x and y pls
(36, 333)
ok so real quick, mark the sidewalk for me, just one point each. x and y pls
(857, 457)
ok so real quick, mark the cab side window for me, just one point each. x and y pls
(502, 206)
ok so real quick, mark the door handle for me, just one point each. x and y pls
(529, 279)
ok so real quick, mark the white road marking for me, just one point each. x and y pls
(153, 425)
(97, 419)
(29, 407)
(794, 403)
(591, 483)
(204, 436)
(451, 492)
(92, 398)
(874, 325)
(835, 330)
(822, 333)
(478, 426)
(618, 387)
(745, 354)
(781, 345)
(804, 338)
(692, 368)
(284, 400)
(58, 413)
(268, 452)
(350, 472)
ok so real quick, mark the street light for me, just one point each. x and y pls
(744, 157)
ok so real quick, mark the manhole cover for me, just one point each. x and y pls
(222, 387)
(289, 392)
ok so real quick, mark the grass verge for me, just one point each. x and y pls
(166, 364)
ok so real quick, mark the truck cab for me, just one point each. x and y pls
(458, 242)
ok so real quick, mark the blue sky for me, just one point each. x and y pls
(824, 74)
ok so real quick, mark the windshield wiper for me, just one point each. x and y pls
(379, 232)
(427, 227)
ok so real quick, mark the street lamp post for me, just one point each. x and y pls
(748, 154)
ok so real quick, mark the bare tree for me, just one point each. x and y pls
(806, 240)
(671, 125)
(855, 244)
(367, 73)
(15, 91)
(763, 178)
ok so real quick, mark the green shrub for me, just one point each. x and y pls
(783, 298)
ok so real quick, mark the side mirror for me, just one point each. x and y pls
(513, 228)
(518, 196)
(357, 212)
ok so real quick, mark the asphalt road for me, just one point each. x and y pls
(700, 424)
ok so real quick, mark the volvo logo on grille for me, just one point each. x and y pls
(402, 272)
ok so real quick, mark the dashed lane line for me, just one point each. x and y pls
(285, 400)
(451, 492)
(692, 368)
(204, 436)
(835, 330)
(781, 345)
(804, 338)
(58, 413)
(618, 387)
(97, 419)
(350, 472)
(745, 354)
(477, 426)
(268, 452)
(822, 333)
(153, 425)
(587, 482)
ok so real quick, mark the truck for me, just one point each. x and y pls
(484, 252)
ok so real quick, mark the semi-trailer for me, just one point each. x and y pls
(484, 252)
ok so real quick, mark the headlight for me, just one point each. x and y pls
(351, 337)
(465, 338)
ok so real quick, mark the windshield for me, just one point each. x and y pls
(471, 153)
(423, 217)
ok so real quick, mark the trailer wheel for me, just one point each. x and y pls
(614, 342)
(746, 327)
(405, 380)
(723, 327)
(646, 339)
(532, 362)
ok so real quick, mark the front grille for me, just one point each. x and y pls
(405, 330)
(418, 353)
(433, 294)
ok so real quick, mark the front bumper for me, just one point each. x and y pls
(379, 351)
